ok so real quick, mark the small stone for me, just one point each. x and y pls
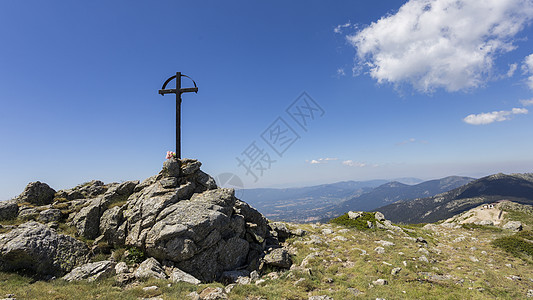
(150, 288)
(529, 293)
(421, 240)
(299, 232)
(385, 243)
(323, 297)
(369, 224)
(379, 216)
(423, 251)
(327, 231)
(380, 250)
(423, 258)
(354, 214)
(380, 282)
(396, 271)
(211, 293)
(340, 238)
(279, 258)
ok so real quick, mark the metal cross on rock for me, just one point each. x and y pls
(178, 91)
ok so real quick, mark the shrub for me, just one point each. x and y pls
(518, 244)
(359, 223)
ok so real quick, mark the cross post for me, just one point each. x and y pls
(178, 91)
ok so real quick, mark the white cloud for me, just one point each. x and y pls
(448, 44)
(527, 67)
(495, 116)
(351, 163)
(340, 72)
(527, 102)
(339, 28)
(321, 160)
(512, 69)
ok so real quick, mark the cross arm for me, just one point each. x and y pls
(173, 91)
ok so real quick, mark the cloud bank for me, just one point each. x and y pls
(495, 116)
(450, 44)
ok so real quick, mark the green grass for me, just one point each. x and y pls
(519, 245)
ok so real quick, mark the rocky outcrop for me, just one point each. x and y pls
(178, 217)
(8, 210)
(37, 193)
(36, 248)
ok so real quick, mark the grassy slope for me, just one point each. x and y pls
(463, 264)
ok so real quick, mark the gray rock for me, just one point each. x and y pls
(396, 271)
(150, 268)
(126, 188)
(183, 218)
(354, 214)
(8, 210)
(28, 213)
(171, 168)
(211, 293)
(380, 282)
(87, 220)
(37, 193)
(110, 226)
(205, 181)
(50, 215)
(92, 271)
(121, 268)
(369, 224)
(281, 230)
(323, 297)
(299, 232)
(513, 225)
(423, 258)
(279, 258)
(379, 250)
(385, 243)
(190, 166)
(178, 275)
(379, 216)
(35, 247)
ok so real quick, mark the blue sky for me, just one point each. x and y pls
(407, 89)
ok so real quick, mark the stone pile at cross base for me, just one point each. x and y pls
(179, 219)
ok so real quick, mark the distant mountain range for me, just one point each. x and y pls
(394, 191)
(514, 187)
(302, 204)
(323, 202)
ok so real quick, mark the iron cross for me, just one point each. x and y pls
(178, 91)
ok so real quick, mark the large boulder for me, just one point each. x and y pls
(36, 248)
(37, 193)
(8, 210)
(92, 271)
